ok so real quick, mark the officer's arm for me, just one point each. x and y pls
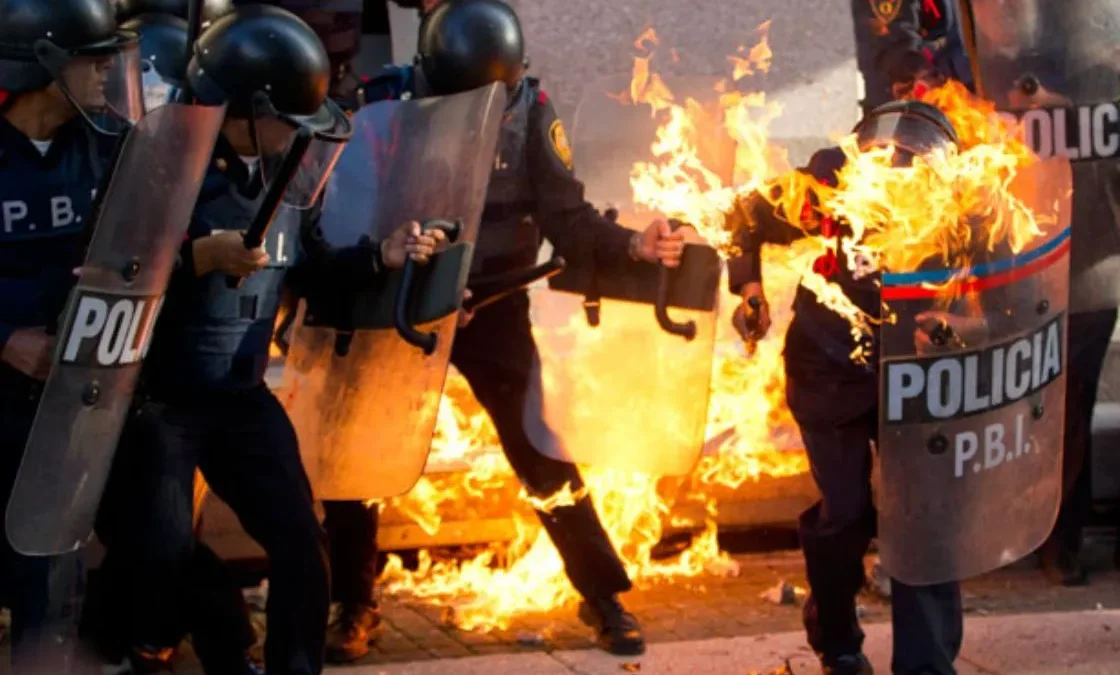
(566, 219)
(756, 220)
(323, 267)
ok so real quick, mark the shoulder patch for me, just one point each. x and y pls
(559, 141)
(542, 97)
(886, 10)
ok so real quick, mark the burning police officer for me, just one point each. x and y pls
(204, 402)
(61, 62)
(950, 398)
(532, 192)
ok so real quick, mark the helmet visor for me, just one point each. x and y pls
(276, 135)
(103, 81)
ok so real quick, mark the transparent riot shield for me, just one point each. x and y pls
(106, 328)
(969, 458)
(1056, 66)
(365, 371)
(625, 353)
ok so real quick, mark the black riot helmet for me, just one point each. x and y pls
(163, 56)
(212, 10)
(466, 44)
(76, 44)
(271, 69)
(912, 127)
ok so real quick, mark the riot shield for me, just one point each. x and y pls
(625, 354)
(363, 397)
(1056, 66)
(106, 328)
(969, 458)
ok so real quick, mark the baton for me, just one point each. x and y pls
(686, 329)
(488, 290)
(194, 30)
(255, 235)
(425, 341)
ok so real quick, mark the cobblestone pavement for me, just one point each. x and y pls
(713, 607)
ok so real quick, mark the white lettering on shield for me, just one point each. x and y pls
(960, 385)
(989, 448)
(1085, 132)
(948, 396)
(110, 331)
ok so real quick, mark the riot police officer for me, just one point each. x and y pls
(216, 615)
(532, 191)
(61, 63)
(835, 404)
(901, 43)
(203, 400)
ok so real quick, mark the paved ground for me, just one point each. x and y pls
(1017, 623)
(711, 607)
(1059, 643)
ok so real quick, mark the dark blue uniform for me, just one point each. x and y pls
(203, 403)
(532, 193)
(898, 39)
(836, 406)
(45, 216)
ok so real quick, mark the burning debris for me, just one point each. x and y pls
(784, 593)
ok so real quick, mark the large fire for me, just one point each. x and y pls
(751, 433)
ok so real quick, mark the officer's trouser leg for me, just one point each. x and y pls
(146, 522)
(43, 593)
(352, 530)
(253, 465)
(835, 533)
(928, 625)
(495, 353)
(217, 616)
(1089, 337)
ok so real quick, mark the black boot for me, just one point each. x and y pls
(617, 630)
(848, 664)
(358, 627)
(1061, 563)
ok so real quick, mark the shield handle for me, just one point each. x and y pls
(686, 329)
(425, 341)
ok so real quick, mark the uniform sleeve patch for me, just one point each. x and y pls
(886, 10)
(559, 141)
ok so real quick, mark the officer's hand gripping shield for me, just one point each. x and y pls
(972, 405)
(362, 394)
(1056, 67)
(626, 349)
(107, 327)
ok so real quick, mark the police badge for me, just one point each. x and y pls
(886, 10)
(560, 144)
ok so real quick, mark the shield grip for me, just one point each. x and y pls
(685, 329)
(425, 341)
